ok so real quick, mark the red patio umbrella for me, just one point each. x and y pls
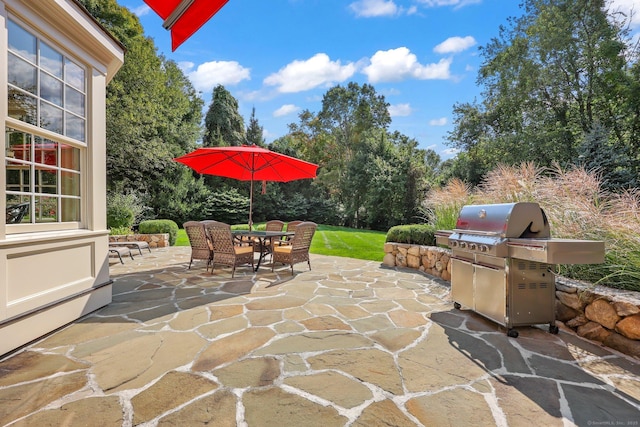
(248, 163)
(184, 17)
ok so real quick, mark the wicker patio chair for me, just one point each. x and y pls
(224, 250)
(291, 226)
(201, 247)
(271, 225)
(298, 250)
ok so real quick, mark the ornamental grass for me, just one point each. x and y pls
(576, 206)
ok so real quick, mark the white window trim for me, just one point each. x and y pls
(10, 122)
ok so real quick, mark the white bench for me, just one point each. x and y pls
(119, 251)
(140, 245)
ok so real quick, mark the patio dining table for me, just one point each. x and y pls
(263, 238)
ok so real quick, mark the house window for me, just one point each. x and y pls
(43, 179)
(46, 90)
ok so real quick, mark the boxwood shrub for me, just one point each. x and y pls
(157, 226)
(416, 234)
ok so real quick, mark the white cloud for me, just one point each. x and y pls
(376, 8)
(457, 4)
(318, 70)
(141, 10)
(450, 151)
(371, 8)
(631, 8)
(210, 74)
(438, 122)
(455, 45)
(266, 134)
(285, 110)
(399, 64)
(399, 110)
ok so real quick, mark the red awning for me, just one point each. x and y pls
(184, 17)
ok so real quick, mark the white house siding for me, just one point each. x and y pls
(52, 275)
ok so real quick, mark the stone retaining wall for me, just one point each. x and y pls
(160, 240)
(606, 315)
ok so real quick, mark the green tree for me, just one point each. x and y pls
(348, 113)
(348, 117)
(388, 181)
(224, 126)
(255, 132)
(368, 177)
(153, 115)
(547, 79)
(612, 162)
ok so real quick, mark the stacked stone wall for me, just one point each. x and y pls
(160, 240)
(429, 259)
(601, 314)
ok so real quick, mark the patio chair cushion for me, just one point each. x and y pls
(243, 249)
(285, 248)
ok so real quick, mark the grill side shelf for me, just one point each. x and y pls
(557, 251)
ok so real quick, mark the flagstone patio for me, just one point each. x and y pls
(350, 343)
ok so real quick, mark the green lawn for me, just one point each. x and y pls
(348, 242)
(336, 241)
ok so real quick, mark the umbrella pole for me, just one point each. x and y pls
(251, 206)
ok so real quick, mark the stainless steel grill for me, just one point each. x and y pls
(502, 258)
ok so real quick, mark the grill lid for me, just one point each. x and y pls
(506, 220)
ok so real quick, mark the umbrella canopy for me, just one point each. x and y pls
(248, 163)
(184, 17)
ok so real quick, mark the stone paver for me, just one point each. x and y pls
(350, 343)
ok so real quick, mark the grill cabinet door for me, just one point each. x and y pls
(490, 292)
(462, 282)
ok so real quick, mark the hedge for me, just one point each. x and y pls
(416, 234)
(156, 226)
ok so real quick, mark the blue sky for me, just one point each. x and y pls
(281, 56)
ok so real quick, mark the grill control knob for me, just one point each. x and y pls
(472, 246)
(453, 244)
(463, 244)
(484, 248)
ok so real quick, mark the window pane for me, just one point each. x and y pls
(22, 106)
(50, 117)
(50, 60)
(22, 74)
(46, 151)
(17, 209)
(74, 75)
(46, 180)
(74, 101)
(75, 127)
(21, 42)
(70, 209)
(18, 144)
(50, 89)
(46, 209)
(70, 183)
(17, 177)
(69, 157)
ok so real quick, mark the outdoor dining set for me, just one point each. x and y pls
(216, 243)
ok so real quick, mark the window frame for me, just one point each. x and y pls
(36, 131)
(44, 73)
